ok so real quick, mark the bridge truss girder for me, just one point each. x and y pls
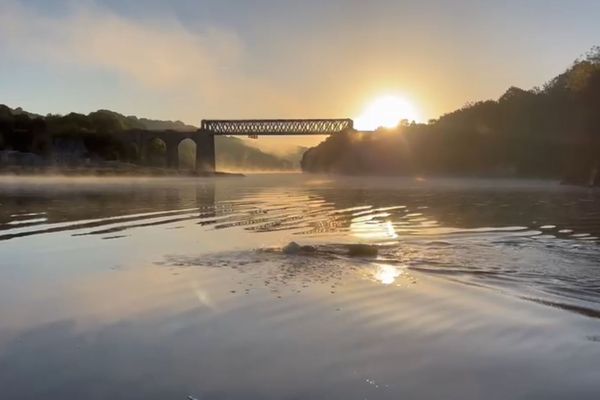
(276, 127)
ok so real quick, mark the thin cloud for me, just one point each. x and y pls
(155, 53)
(198, 68)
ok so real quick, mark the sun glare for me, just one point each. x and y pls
(386, 112)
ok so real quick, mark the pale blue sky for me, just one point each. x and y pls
(189, 60)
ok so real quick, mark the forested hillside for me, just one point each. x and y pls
(552, 131)
(98, 131)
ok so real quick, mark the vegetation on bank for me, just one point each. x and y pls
(95, 136)
(548, 132)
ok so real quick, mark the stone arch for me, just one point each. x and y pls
(187, 149)
(155, 152)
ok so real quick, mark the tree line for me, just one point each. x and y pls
(19, 131)
(97, 133)
(547, 132)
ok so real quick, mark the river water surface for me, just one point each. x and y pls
(173, 287)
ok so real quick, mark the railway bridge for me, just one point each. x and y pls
(204, 138)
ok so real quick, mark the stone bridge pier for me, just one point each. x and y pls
(205, 152)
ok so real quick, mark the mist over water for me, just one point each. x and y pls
(174, 287)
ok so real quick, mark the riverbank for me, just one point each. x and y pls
(110, 170)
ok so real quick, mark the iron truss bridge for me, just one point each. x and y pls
(271, 127)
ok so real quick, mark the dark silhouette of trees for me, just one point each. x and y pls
(549, 132)
(98, 134)
(18, 130)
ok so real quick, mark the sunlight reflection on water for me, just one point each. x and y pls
(387, 274)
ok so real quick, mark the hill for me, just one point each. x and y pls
(548, 132)
(92, 135)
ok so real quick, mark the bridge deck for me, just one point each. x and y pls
(272, 127)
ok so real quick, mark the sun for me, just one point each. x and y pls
(386, 112)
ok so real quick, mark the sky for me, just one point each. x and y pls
(194, 59)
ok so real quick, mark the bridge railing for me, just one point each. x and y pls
(255, 127)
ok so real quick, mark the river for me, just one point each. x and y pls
(165, 288)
